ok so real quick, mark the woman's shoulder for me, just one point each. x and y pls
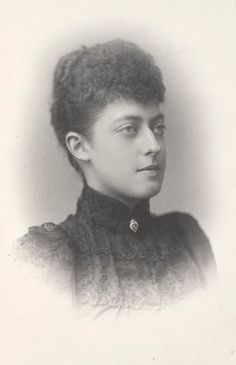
(48, 237)
(188, 230)
(182, 222)
(174, 217)
(46, 247)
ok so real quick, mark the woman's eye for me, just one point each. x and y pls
(159, 130)
(129, 129)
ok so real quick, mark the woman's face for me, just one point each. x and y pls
(127, 151)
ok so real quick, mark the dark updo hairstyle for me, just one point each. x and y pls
(86, 80)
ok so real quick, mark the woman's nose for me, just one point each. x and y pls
(150, 143)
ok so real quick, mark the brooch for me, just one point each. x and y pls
(133, 225)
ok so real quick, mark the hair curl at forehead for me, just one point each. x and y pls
(86, 80)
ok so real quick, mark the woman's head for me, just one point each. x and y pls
(87, 81)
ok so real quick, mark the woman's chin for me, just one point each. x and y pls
(149, 192)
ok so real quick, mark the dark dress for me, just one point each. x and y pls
(110, 256)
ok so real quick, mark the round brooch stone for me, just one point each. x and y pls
(133, 225)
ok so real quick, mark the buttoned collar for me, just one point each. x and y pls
(105, 212)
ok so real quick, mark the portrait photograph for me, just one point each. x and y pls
(118, 175)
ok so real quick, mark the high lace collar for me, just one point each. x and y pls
(109, 213)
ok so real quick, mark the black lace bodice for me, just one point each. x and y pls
(117, 257)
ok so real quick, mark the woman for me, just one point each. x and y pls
(107, 114)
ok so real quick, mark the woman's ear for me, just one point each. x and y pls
(78, 146)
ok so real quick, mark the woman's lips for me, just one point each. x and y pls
(150, 168)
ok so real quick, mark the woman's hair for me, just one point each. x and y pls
(86, 80)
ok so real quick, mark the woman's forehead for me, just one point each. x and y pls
(123, 109)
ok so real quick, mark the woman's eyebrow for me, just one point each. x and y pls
(129, 118)
(138, 119)
(158, 118)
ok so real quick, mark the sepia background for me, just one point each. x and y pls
(193, 42)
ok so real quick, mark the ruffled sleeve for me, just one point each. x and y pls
(46, 247)
(197, 244)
